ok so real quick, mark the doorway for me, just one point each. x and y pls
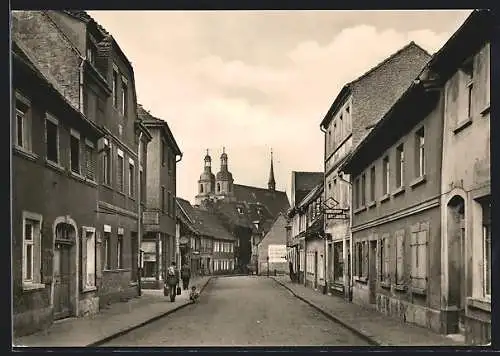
(372, 272)
(63, 281)
(456, 258)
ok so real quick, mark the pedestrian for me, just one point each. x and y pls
(292, 275)
(185, 276)
(172, 281)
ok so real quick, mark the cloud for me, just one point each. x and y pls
(248, 106)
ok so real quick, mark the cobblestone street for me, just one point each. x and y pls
(242, 311)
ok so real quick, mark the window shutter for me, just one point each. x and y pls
(400, 257)
(46, 267)
(422, 258)
(387, 259)
(365, 260)
(98, 253)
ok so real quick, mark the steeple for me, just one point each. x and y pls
(208, 162)
(271, 184)
(224, 178)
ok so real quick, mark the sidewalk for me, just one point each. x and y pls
(118, 319)
(376, 327)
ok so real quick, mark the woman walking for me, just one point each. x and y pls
(172, 281)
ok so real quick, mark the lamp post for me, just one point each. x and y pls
(139, 273)
(267, 266)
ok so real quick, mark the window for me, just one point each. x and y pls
(338, 268)
(329, 139)
(91, 51)
(115, 86)
(107, 251)
(335, 134)
(487, 248)
(341, 121)
(419, 236)
(22, 125)
(386, 181)
(358, 263)
(75, 152)
(119, 252)
(32, 248)
(163, 153)
(400, 235)
(106, 163)
(468, 70)
(120, 171)
(88, 258)
(218, 187)
(356, 194)
(124, 108)
(363, 190)
(400, 157)
(372, 183)
(163, 198)
(131, 178)
(52, 139)
(89, 160)
(420, 152)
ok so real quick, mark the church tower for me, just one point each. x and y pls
(271, 184)
(206, 183)
(224, 179)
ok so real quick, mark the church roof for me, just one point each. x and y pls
(275, 201)
(224, 175)
(208, 224)
(305, 182)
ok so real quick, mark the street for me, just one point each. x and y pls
(242, 311)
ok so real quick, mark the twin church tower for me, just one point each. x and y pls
(220, 186)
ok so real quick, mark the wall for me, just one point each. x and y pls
(76, 199)
(467, 173)
(153, 197)
(275, 236)
(406, 303)
(312, 246)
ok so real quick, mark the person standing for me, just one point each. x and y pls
(292, 275)
(185, 276)
(172, 281)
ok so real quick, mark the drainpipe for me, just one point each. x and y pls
(139, 218)
(177, 226)
(327, 257)
(350, 236)
(80, 93)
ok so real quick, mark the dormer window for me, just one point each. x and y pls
(240, 209)
(91, 51)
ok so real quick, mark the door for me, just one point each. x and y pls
(372, 272)
(62, 281)
(316, 269)
(461, 297)
(135, 256)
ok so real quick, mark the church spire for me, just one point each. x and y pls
(271, 184)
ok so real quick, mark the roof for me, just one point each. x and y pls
(471, 29)
(208, 224)
(151, 121)
(305, 182)
(346, 89)
(24, 56)
(468, 39)
(275, 201)
(313, 194)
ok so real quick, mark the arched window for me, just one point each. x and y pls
(218, 187)
(201, 188)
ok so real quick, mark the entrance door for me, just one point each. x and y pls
(316, 269)
(62, 281)
(461, 301)
(372, 273)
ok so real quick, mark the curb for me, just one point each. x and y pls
(134, 327)
(361, 334)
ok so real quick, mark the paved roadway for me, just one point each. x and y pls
(242, 311)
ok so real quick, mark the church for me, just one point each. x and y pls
(247, 212)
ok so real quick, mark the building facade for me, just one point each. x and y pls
(275, 239)
(54, 224)
(358, 105)
(96, 76)
(159, 217)
(422, 206)
(463, 68)
(302, 185)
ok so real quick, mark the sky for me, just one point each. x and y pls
(252, 81)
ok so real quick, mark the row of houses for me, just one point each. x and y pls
(93, 172)
(405, 196)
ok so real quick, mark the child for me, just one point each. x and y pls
(194, 294)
